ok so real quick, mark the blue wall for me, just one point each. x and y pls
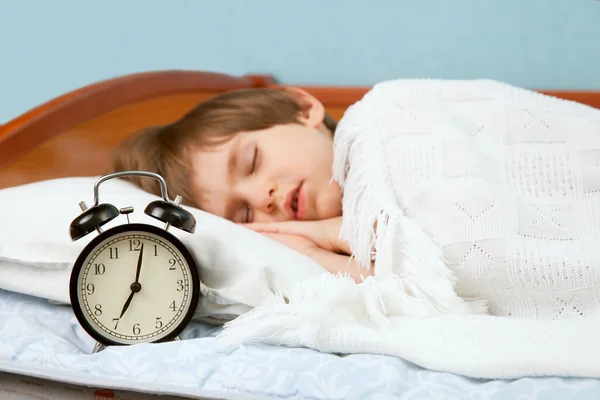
(48, 47)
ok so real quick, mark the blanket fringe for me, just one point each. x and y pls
(317, 304)
(377, 229)
(293, 321)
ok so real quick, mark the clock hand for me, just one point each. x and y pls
(135, 286)
(139, 264)
(126, 306)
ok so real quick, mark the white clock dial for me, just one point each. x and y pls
(127, 312)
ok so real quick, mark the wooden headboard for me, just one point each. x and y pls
(74, 134)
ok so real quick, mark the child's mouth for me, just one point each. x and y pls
(295, 202)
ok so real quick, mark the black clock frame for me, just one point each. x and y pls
(133, 227)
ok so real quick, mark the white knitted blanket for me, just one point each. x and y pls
(480, 204)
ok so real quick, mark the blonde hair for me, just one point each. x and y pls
(166, 150)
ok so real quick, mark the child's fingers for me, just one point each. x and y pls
(298, 243)
(288, 227)
(310, 230)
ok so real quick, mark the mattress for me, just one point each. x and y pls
(43, 343)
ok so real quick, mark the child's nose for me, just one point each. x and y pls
(268, 203)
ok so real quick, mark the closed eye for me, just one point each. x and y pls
(254, 160)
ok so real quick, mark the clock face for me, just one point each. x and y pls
(134, 283)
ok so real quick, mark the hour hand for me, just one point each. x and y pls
(127, 303)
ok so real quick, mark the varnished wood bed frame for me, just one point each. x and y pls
(73, 134)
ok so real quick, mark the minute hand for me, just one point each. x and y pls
(139, 264)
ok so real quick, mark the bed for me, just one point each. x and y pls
(43, 355)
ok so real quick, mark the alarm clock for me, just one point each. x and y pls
(135, 282)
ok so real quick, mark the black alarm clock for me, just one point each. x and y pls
(135, 282)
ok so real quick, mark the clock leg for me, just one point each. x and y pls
(176, 338)
(98, 347)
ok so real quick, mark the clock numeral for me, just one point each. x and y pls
(99, 269)
(179, 285)
(90, 289)
(155, 250)
(172, 306)
(115, 254)
(136, 329)
(172, 263)
(159, 323)
(134, 245)
(116, 321)
(98, 309)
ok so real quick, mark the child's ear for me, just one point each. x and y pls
(313, 111)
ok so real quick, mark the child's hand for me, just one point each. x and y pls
(332, 262)
(295, 242)
(325, 233)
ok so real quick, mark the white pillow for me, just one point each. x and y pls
(237, 266)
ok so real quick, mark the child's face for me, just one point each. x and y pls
(277, 174)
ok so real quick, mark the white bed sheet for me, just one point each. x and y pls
(45, 341)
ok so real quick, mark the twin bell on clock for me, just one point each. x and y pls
(135, 282)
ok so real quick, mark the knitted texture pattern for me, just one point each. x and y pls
(505, 182)
(479, 204)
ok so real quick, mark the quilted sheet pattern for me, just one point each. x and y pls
(43, 340)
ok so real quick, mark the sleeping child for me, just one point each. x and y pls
(257, 157)
(464, 197)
